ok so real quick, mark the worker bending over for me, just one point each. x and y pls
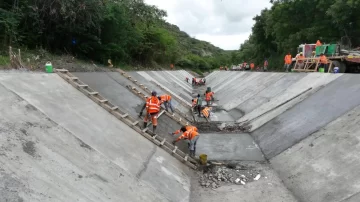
(206, 112)
(194, 102)
(152, 106)
(188, 128)
(166, 99)
(191, 137)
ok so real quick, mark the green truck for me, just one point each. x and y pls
(347, 61)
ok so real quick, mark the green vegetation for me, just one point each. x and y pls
(289, 23)
(4, 60)
(129, 32)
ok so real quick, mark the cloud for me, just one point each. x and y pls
(224, 23)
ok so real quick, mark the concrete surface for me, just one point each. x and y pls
(53, 136)
(112, 85)
(268, 189)
(324, 167)
(310, 115)
(123, 149)
(222, 146)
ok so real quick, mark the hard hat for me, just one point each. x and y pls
(313, 52)
(301, 53)
(153, 93)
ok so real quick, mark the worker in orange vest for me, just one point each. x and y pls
(206, 112)
(191, 137)
(152, 106)
(194, 102)
(166, 100)
(188, 128)
(252, 66)
(288, 60)
(318, 43)
(209, 97)
(323, 62)
(300, 61)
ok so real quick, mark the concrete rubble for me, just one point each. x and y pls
(217, 175)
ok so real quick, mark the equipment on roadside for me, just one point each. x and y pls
(348, 61)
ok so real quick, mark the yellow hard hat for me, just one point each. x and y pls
(301, 53)
(313, 52)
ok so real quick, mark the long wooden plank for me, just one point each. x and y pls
(131, 122)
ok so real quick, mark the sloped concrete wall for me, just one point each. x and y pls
(120, 157)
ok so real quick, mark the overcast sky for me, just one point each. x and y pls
(224, 23)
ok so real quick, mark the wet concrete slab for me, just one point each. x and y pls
(222, 146)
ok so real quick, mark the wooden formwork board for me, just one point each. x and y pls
(126, 118)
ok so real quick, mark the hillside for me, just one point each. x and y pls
(129, 32)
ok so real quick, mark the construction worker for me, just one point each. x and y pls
(300, 61)
(187, 80)
(206, 112)
(266, 64)
(323, 62)
(199, 104)
(166, 99)
(318, 43)
(152, 106)
(252, 66)
(194, 101)
(209, 97)
(191, 137)
(188, 128)
(288, 60)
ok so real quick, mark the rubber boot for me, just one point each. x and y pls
(192, 153)
(154, 129)
(145, 125)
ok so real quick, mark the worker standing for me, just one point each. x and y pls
(152, 106)
(252, 66)
(266, 64)
(318, 43)
(187, 79)
(288, 60)
(166, 99)
(209, 97)
(323, 62)
(191, 137)
(300, 61)
(199, 104)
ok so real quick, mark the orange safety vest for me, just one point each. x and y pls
(300, 57)
(194, 102)
(165, 98)
(206, 112)
(188, 128)
(208, 96)
(288, 59)
(323, 59)
(188, 135)
(252, 65)
(318, 43)
(152, 105)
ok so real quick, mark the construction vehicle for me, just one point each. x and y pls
(348, 61)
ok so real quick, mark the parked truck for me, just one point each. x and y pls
(348, 61)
